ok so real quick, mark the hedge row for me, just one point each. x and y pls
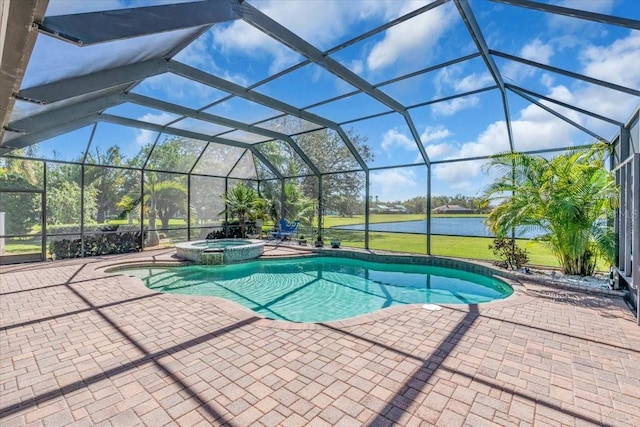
(99, 244)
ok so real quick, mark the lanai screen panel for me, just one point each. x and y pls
(131, 144)
(174, 153)
(284, 158)
(175, 89)
(294, 87)
(328, 152)
(245, 168)
(288, 124)
(239, 53)
(69, 147)
(142, 113)
(384, 141)
(242, 110)
(484, 132)
(430, 38)
(218, 159)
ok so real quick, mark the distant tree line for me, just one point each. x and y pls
(418, 205)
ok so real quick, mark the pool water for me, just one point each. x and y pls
(212, 244)
(321, 289)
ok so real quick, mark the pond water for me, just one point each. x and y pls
(451, 226)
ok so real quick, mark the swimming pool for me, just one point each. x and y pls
(319, 289)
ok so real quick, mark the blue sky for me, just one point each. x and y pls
(463, 127)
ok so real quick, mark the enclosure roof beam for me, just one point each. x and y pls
(201, 115)
(565, 105)
(44, 134)
(16, 44)
(476, 34)
(574, 13)
(80, 85)
(227, 86)
(91, 28)
(578, 76)
(52, 117)
(555, 113)
(109, 118)
(450, 97)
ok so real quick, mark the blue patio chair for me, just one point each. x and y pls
(285, 229)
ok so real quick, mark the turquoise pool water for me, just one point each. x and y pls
(321, 289)
(212, 244)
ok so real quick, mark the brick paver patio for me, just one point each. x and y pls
(83, 347)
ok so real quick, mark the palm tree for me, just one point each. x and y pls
(163, 199)
(240, 202)
(570, 198)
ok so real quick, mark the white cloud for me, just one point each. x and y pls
(242, 37)
(433, 133)
(392, 138)
(357, 66)
(537, 51)
(473, 82)
(618, 63)
(547, 80)
(321, 22)
(420, 34)
(145, 137)
(158, 119)
(395, 184)
(439, 151)
(449, 108)
(468, 177)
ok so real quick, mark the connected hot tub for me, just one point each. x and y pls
(221, 251)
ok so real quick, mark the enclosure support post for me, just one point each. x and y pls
(367, 206)
(320, 205)
(142, 208)
(282, 199)
(428, 207)
(82, 210)
(189, 207)
(43, 215)
(226, 213)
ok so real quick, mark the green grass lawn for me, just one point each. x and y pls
(333, 221)
(21, 246)
(450, 246)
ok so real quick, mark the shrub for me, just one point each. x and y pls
(510, 255)
(99, 244)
